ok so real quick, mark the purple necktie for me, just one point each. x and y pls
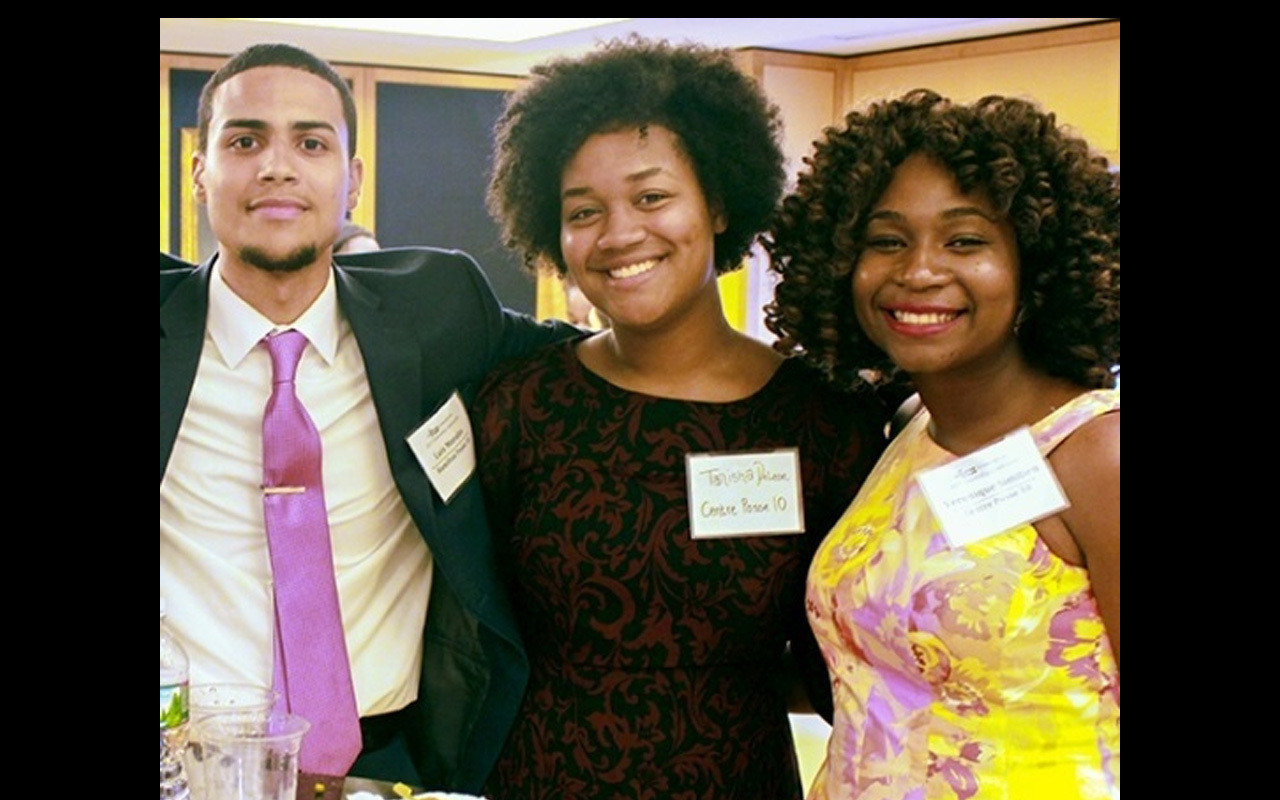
(312, 671)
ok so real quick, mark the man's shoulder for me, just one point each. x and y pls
(406, 261)
(173, 271)
(172, 264)
(414, 276)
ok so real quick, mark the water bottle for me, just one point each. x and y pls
(174, 713)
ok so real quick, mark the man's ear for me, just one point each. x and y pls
(356, 174)
(197, 179)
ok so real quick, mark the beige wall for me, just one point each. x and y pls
(1079, 81)
(1074, 72)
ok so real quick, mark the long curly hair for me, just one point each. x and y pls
(1061, 198)
(722, 121)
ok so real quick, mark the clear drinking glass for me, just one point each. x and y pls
(219, 698)
(209, 699)
(249, 755)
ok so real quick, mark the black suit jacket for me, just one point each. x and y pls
(427, 323)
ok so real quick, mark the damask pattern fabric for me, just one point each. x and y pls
(655, 657)
(974, 672)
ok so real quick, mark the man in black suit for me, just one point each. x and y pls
(396, 341)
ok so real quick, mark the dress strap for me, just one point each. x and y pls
(1055, 428)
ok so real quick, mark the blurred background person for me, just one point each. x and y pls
(975, 248)
(579, 308)
(355, 238)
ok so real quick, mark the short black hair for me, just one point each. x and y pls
(275, 54)
(722, 121)
(1061, 198)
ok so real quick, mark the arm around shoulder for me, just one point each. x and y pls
(511, 333)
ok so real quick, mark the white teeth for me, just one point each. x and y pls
(632, 270)
(929, 318)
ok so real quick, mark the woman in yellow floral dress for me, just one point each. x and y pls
(968, 602)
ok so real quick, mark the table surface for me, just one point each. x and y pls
(329, 787)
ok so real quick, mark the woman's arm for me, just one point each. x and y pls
(1087, 464)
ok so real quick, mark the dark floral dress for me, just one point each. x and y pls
(655, 657)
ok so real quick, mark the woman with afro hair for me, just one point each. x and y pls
(968, 602)
(660, 614)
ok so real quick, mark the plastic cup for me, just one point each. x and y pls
(248, 755)
(207, 699)
(220, 698)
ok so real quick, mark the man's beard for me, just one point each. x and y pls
(292, 262)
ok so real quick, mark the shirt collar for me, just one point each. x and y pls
(237, 327)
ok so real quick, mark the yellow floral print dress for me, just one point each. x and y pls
(976, 672)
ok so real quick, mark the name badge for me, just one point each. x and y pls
(1001, 486)
(444, 447)
(744, 494)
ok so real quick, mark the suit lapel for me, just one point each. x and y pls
(387, 343)
(393, 362)
(182, 324)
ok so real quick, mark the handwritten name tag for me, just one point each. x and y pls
(991, 490)
(744, 494)
(444, 447)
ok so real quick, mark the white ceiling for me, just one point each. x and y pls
(836, 36)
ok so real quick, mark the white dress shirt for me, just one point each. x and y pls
(215, 574)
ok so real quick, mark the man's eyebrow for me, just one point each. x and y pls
(261, 125)
(307, 125)
(251, 124)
